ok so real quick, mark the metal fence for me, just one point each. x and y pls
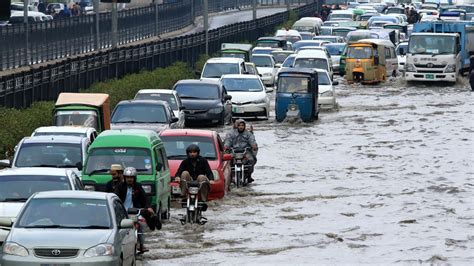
(61, 38)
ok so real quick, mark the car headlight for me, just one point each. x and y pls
(216, 110)
(410, 68)
(89, 187)
(450, 68)
(327, 94)
(147, 188)
(193, 190)
(100, 250)
(15, 249)
(259, 101)
(268, 74)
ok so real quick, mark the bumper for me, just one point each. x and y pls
(415, 76)
(203, 117)
(31, 260)
(249, 110)
(326, 102)
(267, 80)
(401, 68)
(336, 69)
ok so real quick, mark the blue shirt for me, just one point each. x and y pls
(128, 199)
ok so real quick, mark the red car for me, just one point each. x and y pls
(210, 143)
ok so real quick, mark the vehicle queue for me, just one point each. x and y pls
(150, 133)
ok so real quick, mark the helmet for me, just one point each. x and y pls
(192, 147)
(130, 171)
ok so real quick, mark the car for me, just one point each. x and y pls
(335, 50)
(204, 101)
(286, 64)
(249, 95)
(144, 114)
(266, 67)
(401, 51)
(330, 38)
(51, 151)
(308, 49)
(71, 228)
(315, 59)
(251, 68)
(212, 148)
(280, 56)
(264, 50)
(169, 96)
(327, 94)
(298, 45)
(56, 6)
(306, 35)
(215, 67)
(17, 185)
(290, 35)
(88, 132)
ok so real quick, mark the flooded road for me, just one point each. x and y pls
(388, 178)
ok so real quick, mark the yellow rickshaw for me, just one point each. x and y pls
(366, 61)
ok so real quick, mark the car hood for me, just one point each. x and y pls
(73, 238)
(10, 209)
(245, 96)
(152, 126)
(324, 88)
(263, 70)
(199, 104)
(174, 165)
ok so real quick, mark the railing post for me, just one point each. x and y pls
(114, 24)
(206, 24)
(96, 20)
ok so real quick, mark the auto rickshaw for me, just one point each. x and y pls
(366, 62)
(297, 95)
(236, 50)
(83, 110)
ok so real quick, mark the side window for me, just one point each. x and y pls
(119, 211)
(387, 53)
(164, 158)
(78, 183)
(159, 158)
(392, 52)
(220, 143)
(242, 67)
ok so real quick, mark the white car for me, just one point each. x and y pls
(264, 50)
(17, 185)
(266, 68)
(169, 96)
(290, 35)
(401, 51)
(89, 132)
(286, 64)
(327, 94)
(335, 50)
(214, 68)
(316, 59)
(249, 95)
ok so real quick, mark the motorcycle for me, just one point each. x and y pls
(239, 167)
(194, 207)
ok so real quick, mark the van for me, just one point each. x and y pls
(306, 26)
(214, 68)
(341, 15)
(316, 59)
(142, 149)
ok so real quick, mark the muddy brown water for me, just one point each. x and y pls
(386, 179)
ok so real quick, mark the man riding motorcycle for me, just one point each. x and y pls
(194, 168)
(240, 139)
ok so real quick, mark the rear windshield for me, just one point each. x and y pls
(193, 91)
(61, 155)
(139, 113)
(216, 70)
(169, 98)
(311, 63)
(21, 187)
(262, 61)
(359, 52)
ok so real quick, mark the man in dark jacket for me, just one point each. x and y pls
(194, 168)
(114, 185)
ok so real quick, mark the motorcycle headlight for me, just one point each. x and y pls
(216, 110)
(259, 101)
(147, 188)
(293, 107)
(89, 187)
(12, 248)
(450, 68)
(100, 250)
(327, 94)
(410, 68)
(193, 190)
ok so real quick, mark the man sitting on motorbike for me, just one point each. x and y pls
(133, 196)
(239, 140)
(194, 168)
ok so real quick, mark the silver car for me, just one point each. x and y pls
(17, 185)
(70, 228)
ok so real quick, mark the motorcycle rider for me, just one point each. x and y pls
(241, 139)
(114, 185)
(194, 168)
(133, 196)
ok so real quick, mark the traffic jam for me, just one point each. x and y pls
(175, 173)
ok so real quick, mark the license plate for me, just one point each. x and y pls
(176, 190)
(429, 76)
(238, 110)
(54, 264)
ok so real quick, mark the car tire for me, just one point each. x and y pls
(166, 215)
(159, 215)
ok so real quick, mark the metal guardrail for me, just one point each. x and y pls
(61, 38)
(44, 83)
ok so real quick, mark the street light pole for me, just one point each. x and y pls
(114, 24)
(254, 9)
(206, 24)
(96, 14)
(27, 33)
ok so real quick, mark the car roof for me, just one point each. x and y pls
(311, 53)
(224, 60)
(139, 138)
(72, 194)
(64, 129)
(53, 139)
(240, 76)
(199, 81)
(41, 171)
(151, 102)
(188, 132)
(289, 70)
(162, 91)
(262, 55)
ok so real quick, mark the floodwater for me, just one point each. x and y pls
(388, 178)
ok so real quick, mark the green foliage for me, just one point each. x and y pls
(292, 18)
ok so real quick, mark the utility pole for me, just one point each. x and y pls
(96, 16)
(27, 32)
(288, 5)
(114, 24)
(156, 18)
(206, 24)
(254, 9)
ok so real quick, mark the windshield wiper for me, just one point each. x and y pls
(91, 227)
(98, 171)
(45, 226)
(142, 170)
(189, 97)
(176, 156)
(14, 200)
(45, 165)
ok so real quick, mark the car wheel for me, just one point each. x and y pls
(159, 215)
(266, 114)
(120, 262)
(166, 215)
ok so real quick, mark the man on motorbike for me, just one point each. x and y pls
(133, 196)
(194, 168)
(114, 185)
(240, 139)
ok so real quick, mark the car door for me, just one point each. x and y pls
(225, 165)
(163, 178)
(125, 237)
(180, 110)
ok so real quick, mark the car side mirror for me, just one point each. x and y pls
(181, 108)
(277, 65)
(159, 166)
(5, 163)
(8, 222)
(227, 97)
(334, 83)
(268, 89)
(227, 157)
(127, 224)
(174, 119)
(79, 166)
(260, 75)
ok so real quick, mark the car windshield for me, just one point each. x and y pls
(293, 84)
(288, 61)
(65, 213)
(432, 44)
(300, 44)
(320, 63)
(359, 52)
(62, 155)
(18, 188)
(306, 35)
(76, 118)
(198, 91)
(100, 160)
(323, 78)
(175, 146)
(261, 51)
(216, 70)
(335, 49)
(402, 49)
(341, 33)
(271, 44)
(354, 37)
(139, 113)
(73, 134)
(240, 84)
(262, 61)
(326, 31)
(304, 28)
(167, 97)
(280, 58)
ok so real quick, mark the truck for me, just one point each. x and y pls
(439, 50)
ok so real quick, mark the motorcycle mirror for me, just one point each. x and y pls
(132, 210)
(158, 166)
(227, 157)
